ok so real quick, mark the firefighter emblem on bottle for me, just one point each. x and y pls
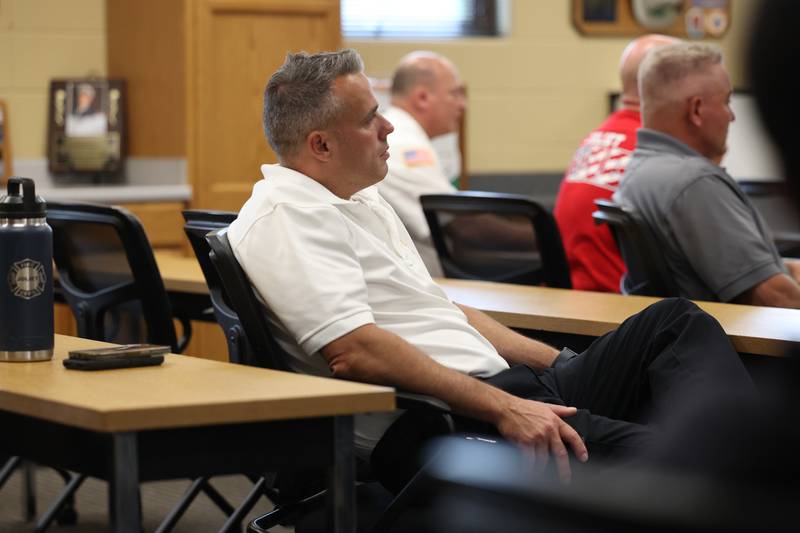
(26, 279)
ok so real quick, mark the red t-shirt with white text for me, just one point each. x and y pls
(595, 172)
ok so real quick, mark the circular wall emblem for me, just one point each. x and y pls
(716, 22)
(26, 279)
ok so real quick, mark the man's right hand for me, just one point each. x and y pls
(539, 426)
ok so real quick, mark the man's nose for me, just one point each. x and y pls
(387, 127)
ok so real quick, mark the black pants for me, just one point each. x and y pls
(625, 382)
(624, 385)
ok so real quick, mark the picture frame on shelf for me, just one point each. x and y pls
(86, 129)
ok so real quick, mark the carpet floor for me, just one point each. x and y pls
(158, 498)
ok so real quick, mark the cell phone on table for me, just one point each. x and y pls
(124, 350)
(125, 356)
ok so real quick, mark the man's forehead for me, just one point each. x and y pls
(355, 90)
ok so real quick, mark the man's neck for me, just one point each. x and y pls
(629, 103)
(335, 184)
(680, 134)
(402, 104)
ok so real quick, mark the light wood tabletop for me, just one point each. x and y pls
(183, 391)
(181, 273)
(752, 329)
(189, 418)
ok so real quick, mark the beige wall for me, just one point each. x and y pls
(534, 94)
(40, 40)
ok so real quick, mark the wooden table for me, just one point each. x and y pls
(187, 418)
(754, 330)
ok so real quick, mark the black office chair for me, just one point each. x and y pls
(109, 277)
(198, 224)
(427, 415)
(647, 273)
(774, 200)
(496, 237)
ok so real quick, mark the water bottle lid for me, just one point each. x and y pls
(21, 201)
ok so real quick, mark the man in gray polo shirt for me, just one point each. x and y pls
(715, 243)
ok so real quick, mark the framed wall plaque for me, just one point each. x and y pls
(695, 19)
(5, 144)
(86, 134)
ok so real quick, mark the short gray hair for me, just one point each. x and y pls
(664, 68)
(299, 98)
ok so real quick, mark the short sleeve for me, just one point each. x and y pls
(718, 234)
(310, 279)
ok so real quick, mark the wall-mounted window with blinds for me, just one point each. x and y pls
(422, 19)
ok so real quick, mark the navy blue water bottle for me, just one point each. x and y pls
(26, 275)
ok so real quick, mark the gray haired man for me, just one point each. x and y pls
(716, 244)
(348, 295)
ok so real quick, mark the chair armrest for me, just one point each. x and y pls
(411, 400)
(186, 333)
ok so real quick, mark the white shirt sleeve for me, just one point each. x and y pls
(310, 279)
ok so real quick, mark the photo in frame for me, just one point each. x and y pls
(86, 134)
(5, 144)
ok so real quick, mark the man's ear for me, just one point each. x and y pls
(319, 144)
(694, 110)
(421, 97)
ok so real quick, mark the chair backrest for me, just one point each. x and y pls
(109, 276)
(198, 224)
(244, 303)
(647, 272)
(496, 237)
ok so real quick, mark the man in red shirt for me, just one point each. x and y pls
(595, 172)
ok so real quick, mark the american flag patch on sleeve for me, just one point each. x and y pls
(418, 158)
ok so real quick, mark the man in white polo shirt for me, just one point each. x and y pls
(348, 295)
(427, 101)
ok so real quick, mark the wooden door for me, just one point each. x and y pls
(234, 46)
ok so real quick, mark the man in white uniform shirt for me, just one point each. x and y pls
(348, 296)
(427, 101)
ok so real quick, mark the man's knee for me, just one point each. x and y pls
(681, 310)
(676, 305)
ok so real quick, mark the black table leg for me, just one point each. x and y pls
(342, 477)
(123, 487)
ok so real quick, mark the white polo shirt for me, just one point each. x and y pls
(326, 266)
(414, 169)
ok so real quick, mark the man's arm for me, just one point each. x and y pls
(374, 355)
(512, 346)
(778, 291)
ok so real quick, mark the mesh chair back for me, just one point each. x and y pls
(235, 283)
(108, 275)
(647, 273)
(198, 224)
(496, 237)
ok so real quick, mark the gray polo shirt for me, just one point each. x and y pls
(715, 242)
